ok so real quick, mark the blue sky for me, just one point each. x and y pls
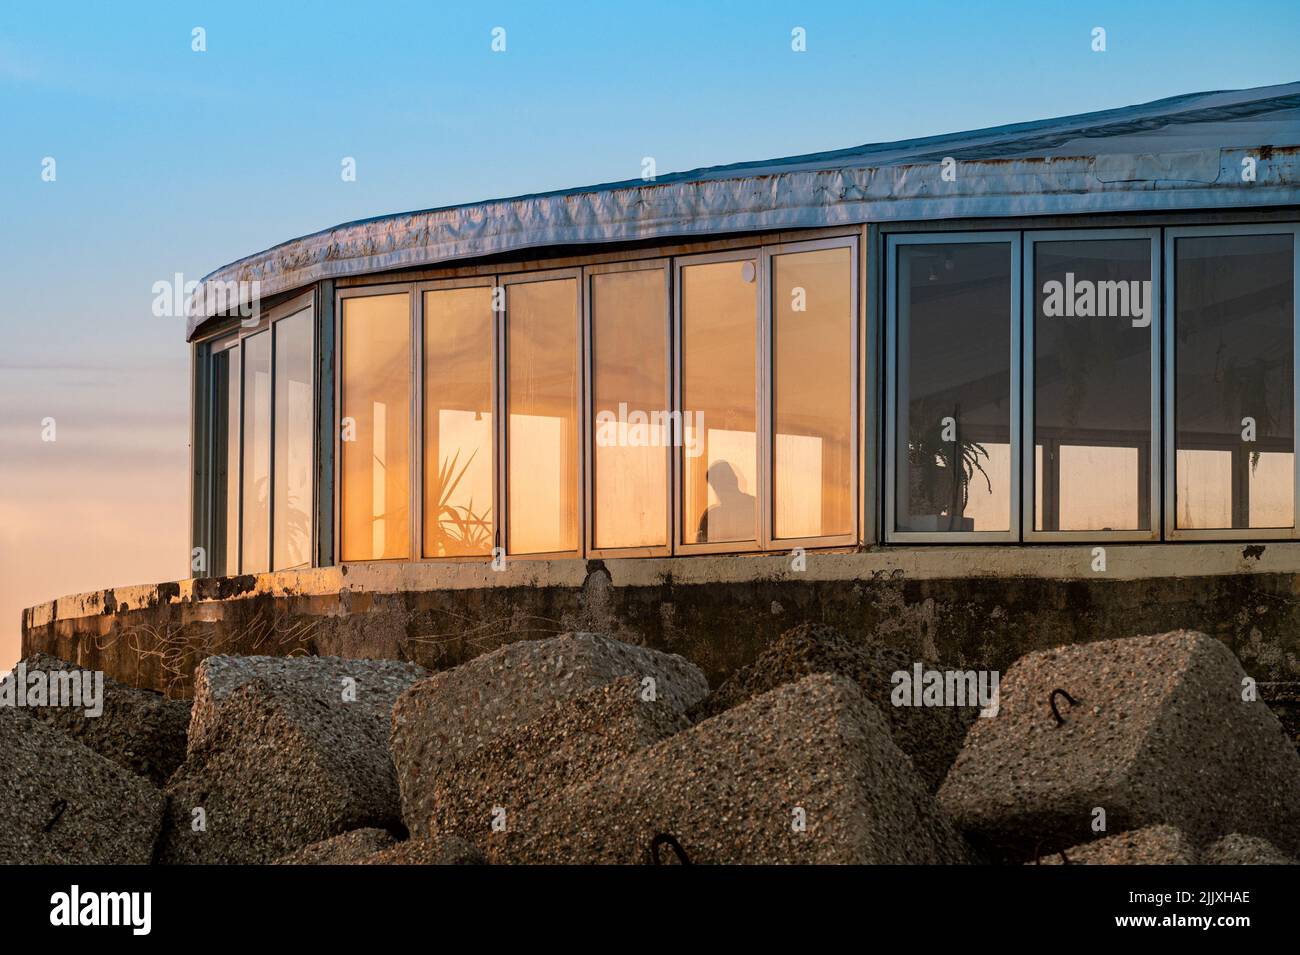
(172, 161)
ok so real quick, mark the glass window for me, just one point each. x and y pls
(294, 433)
(812, 358)
(375, 427)
(1093, 311)
(225, 443)
(458, 461)
(954, 402)
(1234, 311)
(255, 540)
(719, 455)
(629, 405)
(542, 399)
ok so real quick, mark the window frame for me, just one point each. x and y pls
(234, 337)
(418, 291)
(768, 542)
(680, 544)
(505, 280)
(233, 341)
(1171, 531)
(414, 492)
(893, 243)
(1028, 299)
(665, 266)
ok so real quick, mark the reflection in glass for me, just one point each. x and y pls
(1233, 327)
(719, 457)
(256, 536)
(458, 333)
(225, 441)
(542, 398)
(812, 315)
(1093, 323)
(954, 387)
(629, 397)
(294, 431)
(375, 427)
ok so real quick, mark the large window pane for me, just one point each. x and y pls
(629, 392)
(542, 398)
(256, 536)
(1234, 312)
(225, 471)
(458, 462)
(954, 403)
(812, 314)
(1093, 314)
(376, 409)
(719, 316)
(294, 429)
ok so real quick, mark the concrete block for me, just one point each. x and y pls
(346, 849)
(140, 730)
(63, 803)
(806, 773)
(451, 714)
(435, 850)
(1159, 733)
(284, 753)
(931, 736)
(1237, 849)
(572, 740)
(1154, 845)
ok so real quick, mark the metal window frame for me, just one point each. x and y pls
(419, 290)
(342, 295)
(893, 242)
(1171, 236)
(767, 388)
(221, 345)
(291, 309)
(505, 281)
(663, 265)
(1028, 298)
(755, 545)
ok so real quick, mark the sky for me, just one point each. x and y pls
(169, 160)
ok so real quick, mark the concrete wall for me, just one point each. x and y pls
(974, 607)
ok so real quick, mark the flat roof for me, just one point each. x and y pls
(1184, 152)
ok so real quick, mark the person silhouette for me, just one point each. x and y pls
(732, 518)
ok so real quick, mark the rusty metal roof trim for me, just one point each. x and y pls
(1181, 153)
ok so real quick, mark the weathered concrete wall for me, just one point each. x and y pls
(977, 608)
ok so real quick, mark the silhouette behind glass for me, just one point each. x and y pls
(732, 518)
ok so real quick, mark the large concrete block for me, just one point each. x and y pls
(1159, 733)
(451, 714)
(1237, 849)
(140, 730)
(434, 850)
(284, 753)
(572, 740)
(930, 735)
(61, 802)
(807, 773)
(349, 848)
(1154, 845)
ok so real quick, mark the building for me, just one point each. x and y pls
(1060, 351)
